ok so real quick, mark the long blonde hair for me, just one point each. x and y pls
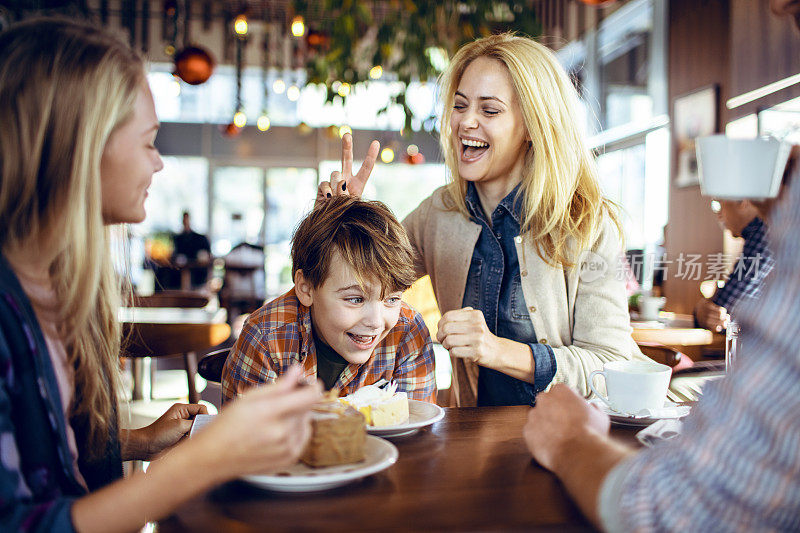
(563, 206)
(65, 87)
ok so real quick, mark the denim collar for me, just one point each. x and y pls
(511, 203)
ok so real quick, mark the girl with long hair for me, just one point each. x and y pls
(77, 155)
(521, 246)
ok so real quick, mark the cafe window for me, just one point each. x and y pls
(214, 101)
(238, 207)
(400, 186)
(620, 73)
(620, 69)
(635, 177)
(290, 196)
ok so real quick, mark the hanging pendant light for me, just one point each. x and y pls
(194, 65)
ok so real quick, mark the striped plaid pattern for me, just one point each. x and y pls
(753, 266)
(737, 465)
(278, 335)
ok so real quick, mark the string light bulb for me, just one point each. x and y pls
(298, 26)
(293, 93)
(240, 25)
(263, 123)
(239, 119)
(344, 129)
(344, 89)
(279, 86)
(387, 155)
(376, 72)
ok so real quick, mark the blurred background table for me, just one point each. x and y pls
(168, 331)
(470, 471)
(679, 332)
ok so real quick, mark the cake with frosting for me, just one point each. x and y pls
(381, 406)
(338, 436)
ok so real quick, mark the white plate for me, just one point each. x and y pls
(420, 414)
(621, 419)
(380, 455)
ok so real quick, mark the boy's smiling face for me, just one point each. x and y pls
(351, 320)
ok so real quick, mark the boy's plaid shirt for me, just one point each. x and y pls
(278, 335)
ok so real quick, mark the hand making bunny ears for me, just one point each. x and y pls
(344, 182)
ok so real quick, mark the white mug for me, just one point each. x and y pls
(741, 169)
(649, 306)
(633, 385)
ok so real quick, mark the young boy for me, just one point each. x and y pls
(343, 321)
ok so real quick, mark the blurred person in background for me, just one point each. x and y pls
(741, 218)
(736, 465)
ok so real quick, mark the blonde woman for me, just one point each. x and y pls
(521, 246)
(76, 155)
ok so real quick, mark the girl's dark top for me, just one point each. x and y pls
(37, 482)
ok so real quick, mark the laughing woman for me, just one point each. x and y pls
(77, 154)
(521, 247)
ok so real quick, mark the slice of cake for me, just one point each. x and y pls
(338, 436)
(380, 406)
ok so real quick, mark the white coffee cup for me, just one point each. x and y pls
(649, 306)
(740, 169)
(633, 386)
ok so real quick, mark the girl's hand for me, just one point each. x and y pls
(143, 444)
(344, 182)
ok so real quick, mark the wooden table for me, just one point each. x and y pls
(676, 331)
(470, 471)
(165, 331)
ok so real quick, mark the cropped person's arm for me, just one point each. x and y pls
(570, 438)
(414, 362)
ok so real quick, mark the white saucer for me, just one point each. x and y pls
(380, 455)
(420, 414)
(623, 419)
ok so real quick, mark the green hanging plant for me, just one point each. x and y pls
(413, 39)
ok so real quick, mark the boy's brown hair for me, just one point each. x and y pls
(365, 233)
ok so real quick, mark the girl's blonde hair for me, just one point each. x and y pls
(563, 206)
(65, 86)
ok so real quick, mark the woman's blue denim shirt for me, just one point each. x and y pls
(494, 287)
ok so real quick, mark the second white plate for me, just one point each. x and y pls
(420, 414)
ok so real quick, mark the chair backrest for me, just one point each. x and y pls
(661, 354)
(210, 366)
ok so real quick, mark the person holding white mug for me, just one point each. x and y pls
(737, 462)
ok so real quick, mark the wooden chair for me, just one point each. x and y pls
(161, 340)
(210, 366)
(663, 354)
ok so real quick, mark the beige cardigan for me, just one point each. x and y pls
(584, 318)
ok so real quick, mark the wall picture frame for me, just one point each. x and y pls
(694, 115)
